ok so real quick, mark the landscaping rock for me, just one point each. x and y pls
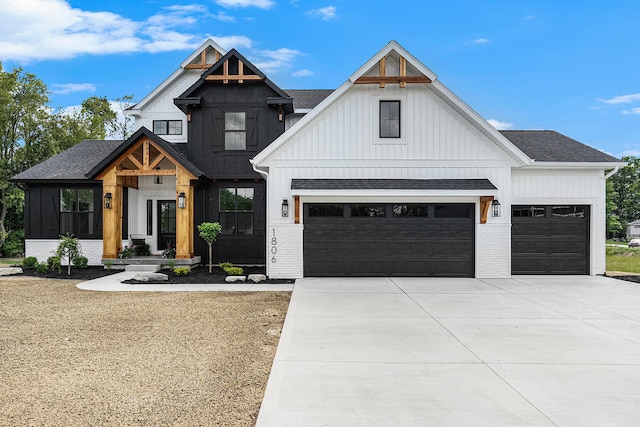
(9, 271)
(257, 278)
(231, 279)
(150, 277)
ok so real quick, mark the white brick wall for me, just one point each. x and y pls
(43, 249)
(493, 251)
(284, 251)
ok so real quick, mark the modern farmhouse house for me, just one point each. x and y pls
(390, 174)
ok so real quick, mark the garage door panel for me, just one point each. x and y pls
(390, 246)
(549, 244)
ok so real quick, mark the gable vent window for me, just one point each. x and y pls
(389, 119)
(167, 127)
(235, 135)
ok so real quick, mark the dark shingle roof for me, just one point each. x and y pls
(307, 99)
(551, 146)
(71, 164)
(392, 184)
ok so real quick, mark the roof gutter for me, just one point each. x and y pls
(258, 170)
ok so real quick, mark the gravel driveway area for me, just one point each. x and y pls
(72, 357)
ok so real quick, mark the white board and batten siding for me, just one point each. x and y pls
(343, 143)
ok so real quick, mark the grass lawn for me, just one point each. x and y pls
(623, 259)
(10, 261)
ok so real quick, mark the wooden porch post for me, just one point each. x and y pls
(111, 218)
(184, 216)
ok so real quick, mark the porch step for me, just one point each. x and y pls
(141, 267)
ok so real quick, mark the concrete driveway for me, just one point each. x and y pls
(528, 351)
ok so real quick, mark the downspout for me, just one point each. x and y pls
(266, 188)
(613, 172)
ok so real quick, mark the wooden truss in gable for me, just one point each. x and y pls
(203, 65)
(402, 78)
(226, 77)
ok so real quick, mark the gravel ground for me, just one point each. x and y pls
(70, 357)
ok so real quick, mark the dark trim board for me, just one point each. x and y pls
(550, 239)
(434, 240)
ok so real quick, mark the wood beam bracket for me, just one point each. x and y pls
(485, 204)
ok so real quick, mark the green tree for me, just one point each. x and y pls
(69, 248)
(625, 191)
(614, 226)
(98, 115)
(122, 128)
(23, 133)
(209, 232)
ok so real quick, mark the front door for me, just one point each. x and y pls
(166, 224)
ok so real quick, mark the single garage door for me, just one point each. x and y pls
(389, 240)
(550, 239)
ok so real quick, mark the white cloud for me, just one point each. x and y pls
(276, 60)
(500, 125)
(302, 73)
(230, 42)
(262, 4)
(529, 17)
(28, 32)
(480, 41)
(325, 13)
(622, 99)
(65, 88)
(635, 111)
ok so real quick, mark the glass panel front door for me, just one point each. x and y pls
(166, 224)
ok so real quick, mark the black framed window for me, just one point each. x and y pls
(235, 135)
(76, 211)
(528, 211)
(409, 210)
(149, 217)
(167, 127)
(236, 210)
(570, 211)
(389, 119)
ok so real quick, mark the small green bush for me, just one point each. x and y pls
(13, 246)
(125, 252)
(224, 265)
(30, 262)
(234, 271)
(53, 262)
(108, 264)
(142, 250)
(42, 267)
(172, 263)
(182, 271)
(81, 261)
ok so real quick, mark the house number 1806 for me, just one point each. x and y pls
(274, 247)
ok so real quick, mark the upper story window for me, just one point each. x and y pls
(167, 127)
(76, 211)
(389, 119)
(235, 135)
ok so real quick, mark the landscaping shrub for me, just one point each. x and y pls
(234, 271)
(224, 265)
(30, 262)
(182, 271)
(81, 261)
(125, 252)
(41, 267)
(142, 250)
(69, 248)
(53, 262)
(13, 246)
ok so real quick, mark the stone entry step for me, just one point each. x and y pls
(140, 267)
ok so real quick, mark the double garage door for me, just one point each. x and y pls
(392, 239)
(550, 239)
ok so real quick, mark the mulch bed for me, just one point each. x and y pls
(197, 275)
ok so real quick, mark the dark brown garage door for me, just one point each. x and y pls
(550, 239)
(389, 240)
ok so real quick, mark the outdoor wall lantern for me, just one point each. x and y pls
(107, 200)
(182, 201)
(496, 207)
(285, 207)
(157, 179)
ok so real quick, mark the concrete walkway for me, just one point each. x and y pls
(528, 351)
(112, 283)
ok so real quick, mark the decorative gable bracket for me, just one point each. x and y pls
(402, 78)
(226, 76)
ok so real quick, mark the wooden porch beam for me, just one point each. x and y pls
(403, 71)
(157, 161)
(135, 161)
(383, 70)
(296, 209)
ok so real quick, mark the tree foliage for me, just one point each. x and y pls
(209, 231)
(623, 197)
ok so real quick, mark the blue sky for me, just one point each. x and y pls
(569, 66)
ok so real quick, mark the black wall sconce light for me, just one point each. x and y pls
(182, 201)
(285, 207)
(496, 208)
(107, 200)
